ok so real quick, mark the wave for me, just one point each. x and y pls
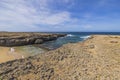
(85, 37)
(70, 35)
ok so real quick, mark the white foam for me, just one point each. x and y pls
(84, 37)
(70, 35)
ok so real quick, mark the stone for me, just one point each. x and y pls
(38, 41)
(20, 39)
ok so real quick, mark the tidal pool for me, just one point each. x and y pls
(29, 50)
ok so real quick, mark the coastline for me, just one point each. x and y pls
(19, 42)
(10, 39)
(95, 58)
(19, 52)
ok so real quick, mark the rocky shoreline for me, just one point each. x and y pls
(97, 58)
(20, 39)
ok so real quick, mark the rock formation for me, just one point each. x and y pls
(19, 39)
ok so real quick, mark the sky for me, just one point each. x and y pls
(60, 15)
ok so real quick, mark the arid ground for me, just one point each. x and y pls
(97, 58)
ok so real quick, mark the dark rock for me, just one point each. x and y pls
(20, 39)
(113, 41)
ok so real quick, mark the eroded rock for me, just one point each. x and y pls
(19, 39)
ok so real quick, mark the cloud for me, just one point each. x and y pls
(30, 15)
(62, 15)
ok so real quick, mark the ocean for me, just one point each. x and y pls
(73, 37)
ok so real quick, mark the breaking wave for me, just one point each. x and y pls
(70, 35)
(85, 37)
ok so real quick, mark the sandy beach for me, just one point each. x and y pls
(16, 45)
(7, 55)
(20, 52)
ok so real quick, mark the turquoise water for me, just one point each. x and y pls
(73, 37)
(29, 50)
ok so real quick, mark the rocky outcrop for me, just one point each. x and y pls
(94, 59)
(19, 39)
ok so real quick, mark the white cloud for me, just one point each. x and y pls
(30, 14)
(57, 18)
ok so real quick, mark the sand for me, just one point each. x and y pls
(7, 55)
(19, 52)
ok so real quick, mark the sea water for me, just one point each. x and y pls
(73, 37)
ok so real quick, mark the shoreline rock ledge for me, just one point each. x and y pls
(23, 38)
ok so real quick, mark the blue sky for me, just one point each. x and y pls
(60, 15)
